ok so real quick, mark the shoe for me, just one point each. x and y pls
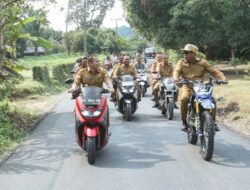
(216, 128)
(185, 126)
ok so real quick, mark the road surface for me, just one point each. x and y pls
(148, 153)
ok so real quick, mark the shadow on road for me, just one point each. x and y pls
(50, 142)
(231, 155)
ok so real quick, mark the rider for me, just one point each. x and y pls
(153, 69)
(139, 65)
(192, 68)
(92, 76)
(164, 70)
(121, 56)
(80, 63)
(127, 69)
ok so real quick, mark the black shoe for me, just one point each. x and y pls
(216, 128)
(185, 126)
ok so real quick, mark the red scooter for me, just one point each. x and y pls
(91, 120)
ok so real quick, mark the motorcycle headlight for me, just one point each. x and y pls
(91, 114)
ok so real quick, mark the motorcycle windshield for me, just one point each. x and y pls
(91, 96)
(127, 80)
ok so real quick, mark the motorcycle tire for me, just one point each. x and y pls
(207, 140)
(91, 150)
(170, 108)
(128, 112)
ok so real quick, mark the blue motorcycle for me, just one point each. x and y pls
(200, 119)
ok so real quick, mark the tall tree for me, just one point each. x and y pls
(95, 12)
(8, 13)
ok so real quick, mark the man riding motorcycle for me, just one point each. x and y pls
(164, 69)
(138, 63)
(92, 76)
(153, 70)
(192, 68)
(113, 98)
(127, 69)
(80, 63)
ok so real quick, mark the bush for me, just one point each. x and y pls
(62, 72)
(41, 74)
(9, 135)
(248, 72)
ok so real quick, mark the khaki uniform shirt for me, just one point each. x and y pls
(165, 70)
(196, 71)
(86, 77)
(125, 70)
(154, 66)
(114, 68)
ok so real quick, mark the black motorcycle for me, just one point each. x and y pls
(167, 97)
(126, 98)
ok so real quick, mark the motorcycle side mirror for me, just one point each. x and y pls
(72, 72)
(69, 81)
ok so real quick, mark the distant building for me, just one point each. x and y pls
(30, 51)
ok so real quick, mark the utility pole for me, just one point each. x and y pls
(85, 28)
(116, 28)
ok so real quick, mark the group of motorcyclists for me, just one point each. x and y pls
(190, 67)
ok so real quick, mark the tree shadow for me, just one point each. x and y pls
(53, 140)
(231, 155)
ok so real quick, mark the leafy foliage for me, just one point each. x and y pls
(221, 28)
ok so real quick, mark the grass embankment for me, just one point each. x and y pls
(22, 102)
(233, 102)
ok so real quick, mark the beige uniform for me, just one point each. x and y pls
(86, 77)
(128, 70)
(193, 71)
(163, 70)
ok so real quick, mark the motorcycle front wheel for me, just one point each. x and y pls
(207, 140)
(91, 150)
(128, 112)
(170, 108)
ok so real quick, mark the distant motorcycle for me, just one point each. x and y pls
(167, 97)
(143, 81)
(126, 102)
(91, 119)
(200, 116)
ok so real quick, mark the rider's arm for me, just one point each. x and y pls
(77, 80)
(177, 71)
(213, 71)
(158, 70)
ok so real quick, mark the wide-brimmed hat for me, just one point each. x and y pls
(191, 47)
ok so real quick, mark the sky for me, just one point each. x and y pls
(57, 15)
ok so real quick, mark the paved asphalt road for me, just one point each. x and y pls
(148, 153)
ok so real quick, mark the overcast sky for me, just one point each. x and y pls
(57, 15)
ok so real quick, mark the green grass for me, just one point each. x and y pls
(48, 60)
(52, 60)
